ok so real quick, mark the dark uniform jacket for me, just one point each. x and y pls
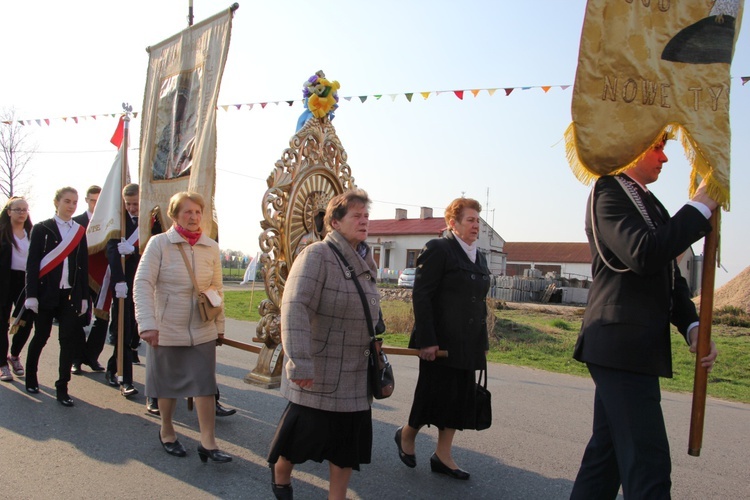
(449, 303)
(45, 236)
(626, 323)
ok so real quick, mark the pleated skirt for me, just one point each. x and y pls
(444, 397)
(181, 371)
(304, 433)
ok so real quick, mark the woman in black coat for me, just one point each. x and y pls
(15, 227)
(450, 313)
(57, 287)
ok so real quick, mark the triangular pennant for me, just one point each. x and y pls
(409, 96)
(425, 95)
(75, 119)
(46, 120)
(508, 91)
(475, 92)
(491, 92)
(745, 79)
(39, 122)
(65, 119)
(459, 94)
(135, 114)
(290, 103)
(263, 105)
(224, 107)
(238, 106)
(564, 87)
(393, 97)
(438, 92)
(363, 98)
(348, 98)
(546, 88)
(378, 96)
(93, 117)
(249, 106)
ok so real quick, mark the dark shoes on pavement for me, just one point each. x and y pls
(224, 412)
(217, 455)
(111, 379)
(437, 466)
(408, 460)
(173, 448)
(76, 369)
(152, 407)
(128, 390)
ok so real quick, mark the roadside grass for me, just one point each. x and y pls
(545, 340)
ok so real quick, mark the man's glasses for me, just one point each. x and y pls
(20, 210)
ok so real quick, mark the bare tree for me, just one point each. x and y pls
(15, 153)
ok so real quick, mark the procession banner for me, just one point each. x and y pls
(178, 127)
(646, 68)
(104, 226)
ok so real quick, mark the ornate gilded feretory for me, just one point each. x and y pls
(309, 173)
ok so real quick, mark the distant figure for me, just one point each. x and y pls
(637, 290)
(15, 227)
(324, 334)
(450, 313)
(57, 288)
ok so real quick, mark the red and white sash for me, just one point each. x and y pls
(62, 250)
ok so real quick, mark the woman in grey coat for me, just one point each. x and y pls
(326, 340)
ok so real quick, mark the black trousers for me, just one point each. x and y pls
(130, 327)
(94, 343)
(629, 444)
(15, 298)
(70, 338)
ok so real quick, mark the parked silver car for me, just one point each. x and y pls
(406, 278)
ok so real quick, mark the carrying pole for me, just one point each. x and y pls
(121, 302)
(700, 382)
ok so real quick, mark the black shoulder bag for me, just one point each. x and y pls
(379, 370)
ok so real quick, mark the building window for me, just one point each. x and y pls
(411, 258)
(387, 264)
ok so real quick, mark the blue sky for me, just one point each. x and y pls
(79, 59)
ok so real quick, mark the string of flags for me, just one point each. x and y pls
(460, 94)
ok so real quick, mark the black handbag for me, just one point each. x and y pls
(379, 370)
(483, 403)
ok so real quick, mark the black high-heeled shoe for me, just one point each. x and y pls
(174, 448)
(280, 491)
(408, 460)
(437, 466)
(215, 455)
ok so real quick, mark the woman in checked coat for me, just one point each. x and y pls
(326, 341)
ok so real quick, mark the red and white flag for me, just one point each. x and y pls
(105, 225)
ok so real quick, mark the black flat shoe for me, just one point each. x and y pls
(128, 390)
(33, 389)
(408, 460)
(152, 409)
(65, 401)
(76, 369)
(215, 455)
(280, 491)
(111, 379)
(224, 412)
(95, 366)
(173, 448)
(437, 466)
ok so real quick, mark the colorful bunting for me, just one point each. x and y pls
(362, 98)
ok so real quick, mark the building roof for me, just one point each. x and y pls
(392, 227)
(547, 252)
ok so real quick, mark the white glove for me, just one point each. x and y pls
(84, 307)
(32, 304)
(125, 248)
(121, 289)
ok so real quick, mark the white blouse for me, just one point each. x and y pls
(20, 253)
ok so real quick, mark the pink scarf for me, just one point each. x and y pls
(190, 236)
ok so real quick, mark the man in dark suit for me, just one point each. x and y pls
(122, 279)
(95, 340)
(637, 291)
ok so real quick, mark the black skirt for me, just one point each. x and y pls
(304, 433)
(444, 397)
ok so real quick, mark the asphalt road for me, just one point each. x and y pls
(107, 446)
